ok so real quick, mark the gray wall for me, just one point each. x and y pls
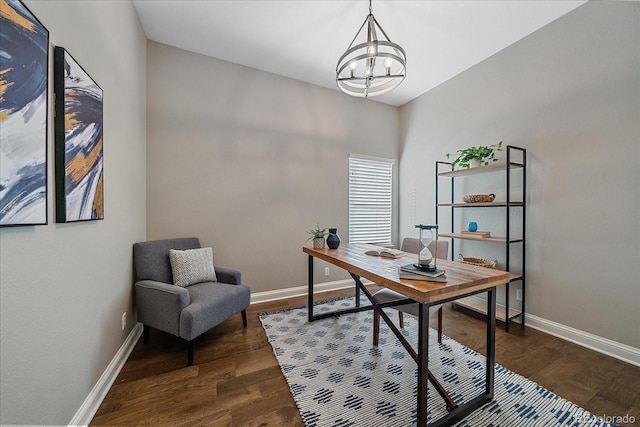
(248, 161)
(570, 94)
(63, 287)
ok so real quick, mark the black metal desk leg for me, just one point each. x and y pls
(310, 291)
(423, 362)
(491, 341)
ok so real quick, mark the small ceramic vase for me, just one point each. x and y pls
(333, 240)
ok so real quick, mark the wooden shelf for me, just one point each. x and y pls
(480, 306)
(481, 169)
(481, 239)
(479, 205)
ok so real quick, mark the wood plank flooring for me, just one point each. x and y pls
(236, 380)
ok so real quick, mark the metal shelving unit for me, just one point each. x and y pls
(516, 159)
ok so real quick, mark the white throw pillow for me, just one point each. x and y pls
(192, 266)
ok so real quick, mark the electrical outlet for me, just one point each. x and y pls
(518, 294)
(326, 271)
(124, 320)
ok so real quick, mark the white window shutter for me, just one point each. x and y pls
(370, 200)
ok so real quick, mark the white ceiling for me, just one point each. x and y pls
(303, 39)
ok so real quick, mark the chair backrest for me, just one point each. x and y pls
(152, 258)
(413, 245)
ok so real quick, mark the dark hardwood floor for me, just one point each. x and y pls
(236, 380)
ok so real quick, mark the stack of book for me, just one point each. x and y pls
(411, 272)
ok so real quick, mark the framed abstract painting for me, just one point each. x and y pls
(24, 88)
(78, 135)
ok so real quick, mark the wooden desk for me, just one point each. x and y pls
(462, 280)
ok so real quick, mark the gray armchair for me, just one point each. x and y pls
(184, 312)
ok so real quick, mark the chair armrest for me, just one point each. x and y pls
(228, 275)
(159, 305)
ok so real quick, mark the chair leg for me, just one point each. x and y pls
(376, 327)
(244, 318)
(190, 348)
(145, 334)
(440, 325)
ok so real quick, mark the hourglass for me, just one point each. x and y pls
(425, 256)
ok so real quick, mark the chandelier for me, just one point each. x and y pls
(372, 67)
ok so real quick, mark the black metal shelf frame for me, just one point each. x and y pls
(520, 162)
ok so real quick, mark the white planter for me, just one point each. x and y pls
(474, 163)
(318, 243)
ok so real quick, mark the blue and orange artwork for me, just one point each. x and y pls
(79, 167)
(24, 47)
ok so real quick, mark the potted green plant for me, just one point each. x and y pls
(318, 234)
(476, 156)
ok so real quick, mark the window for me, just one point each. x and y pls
(370, 203)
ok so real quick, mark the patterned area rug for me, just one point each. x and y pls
(338, 378)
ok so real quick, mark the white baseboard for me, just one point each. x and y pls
(606, 346)
(93, 401)
(300, 291)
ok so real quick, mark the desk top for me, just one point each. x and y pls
(462, 279)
